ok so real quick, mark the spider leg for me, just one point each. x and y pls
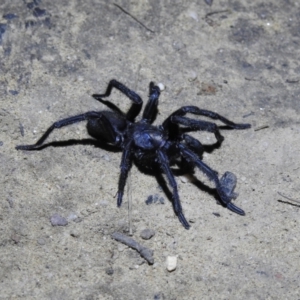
(164, 164)
(195, 146)
(110, 105)
(65, 122)
(202, 112)
(189, 155)
(126, 163)
(193, 143)
(198, 125)
(133, 96)
(150, 110)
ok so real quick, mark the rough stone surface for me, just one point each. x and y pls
(238, 58)
(57, 220)
(147, 233)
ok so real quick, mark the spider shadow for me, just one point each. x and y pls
(189, 170)
(209, 148)
(155, 172)
(85, 142)
(179, 171)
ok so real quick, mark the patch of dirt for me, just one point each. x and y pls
(237, 58)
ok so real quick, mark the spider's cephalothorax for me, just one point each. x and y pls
(153, 146)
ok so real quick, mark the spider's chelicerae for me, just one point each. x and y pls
(154, 146)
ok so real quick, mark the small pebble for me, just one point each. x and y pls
(183, 179)
(155, 199)
(57, 220)
(30, 23)
(47, 22)
(109, 271)
(147, 234)
(103, 203)
(121, 247)
(149, 200)
(41, 241)
(171, 263)
(74, 234)
(48, 58)
(158, 296)
(15, 238)
(77, 220)
(13, 92)
(30, 5)
(178, 45)
(192, 76)
(106, 157)
(161, 86)
(2, 31)
(162, 200)
(10, 16)
(72, 216)
(39, 12)
(193, 15)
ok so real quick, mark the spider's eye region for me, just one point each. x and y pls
(147, 140)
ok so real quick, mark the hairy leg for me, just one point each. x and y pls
(164, 164)
(203, 112)
(65, 122)
(195, 125)
(125, 168)
(133, 96)
(213, 176)
(150, 110)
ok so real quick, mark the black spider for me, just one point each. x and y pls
(151, 146)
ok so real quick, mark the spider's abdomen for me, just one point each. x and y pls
(108, 126)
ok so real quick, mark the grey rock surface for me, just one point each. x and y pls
(238, 58)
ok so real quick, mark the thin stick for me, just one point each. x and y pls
(134, 18)
(144, 252)
(216, 12)
(129, 190)
(261, 127)
(209, 20)
(289, 198)
(129, 196)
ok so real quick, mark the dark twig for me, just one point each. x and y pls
(144, 252)
(289, 203)
(134, 18)
(292, 81)
(21, 127)
(251, 79)
(129, 189)
(289, 198)
(261, 127)
(216, 12)
(248, 115)
(209, 21)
